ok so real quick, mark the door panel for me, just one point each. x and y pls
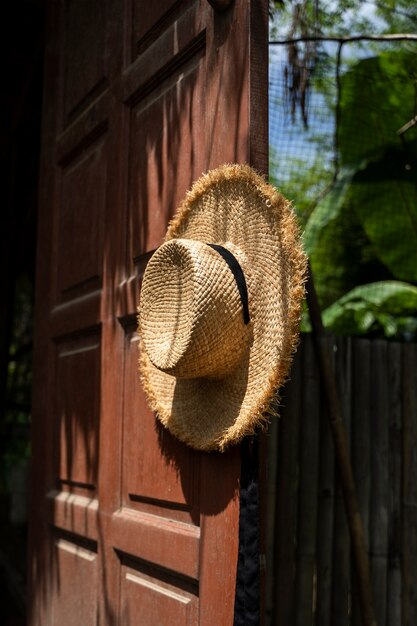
(78, 394)
(80, 220)
(165, 158)
(129, 525)
(83, 54)
(149, 597)
(146, 482)
(75, 562)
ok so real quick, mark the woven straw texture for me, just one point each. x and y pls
(191, 323)
(214, 388)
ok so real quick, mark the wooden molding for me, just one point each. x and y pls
(220, 5)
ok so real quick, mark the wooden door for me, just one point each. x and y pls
(129, 526)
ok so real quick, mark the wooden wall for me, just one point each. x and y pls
(310, 577)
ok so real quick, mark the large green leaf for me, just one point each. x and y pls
(389, 305)
(328, 209)
(377, 98)
(384, 196)
(335, 241)
(365, 228)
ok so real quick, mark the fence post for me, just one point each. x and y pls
(343, 458)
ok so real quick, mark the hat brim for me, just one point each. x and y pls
(233, 205)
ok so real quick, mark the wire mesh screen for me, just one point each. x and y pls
(343, 148)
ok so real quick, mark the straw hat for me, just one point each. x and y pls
(218, 323)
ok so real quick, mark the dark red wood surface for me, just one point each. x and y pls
(129, 526)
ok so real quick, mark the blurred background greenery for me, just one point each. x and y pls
(343, 147)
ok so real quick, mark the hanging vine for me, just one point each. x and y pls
(301, 57)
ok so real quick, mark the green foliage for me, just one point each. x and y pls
(343, 17)
(308, 182)
(359, 221)
(365, 228)
(360, 226)
(390, 305)
(377, 97)
(384, 197)
(335, 242)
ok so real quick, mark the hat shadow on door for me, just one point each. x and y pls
(209, 480)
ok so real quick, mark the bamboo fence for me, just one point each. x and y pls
(310, 575)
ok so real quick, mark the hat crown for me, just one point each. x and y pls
(191, 318)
